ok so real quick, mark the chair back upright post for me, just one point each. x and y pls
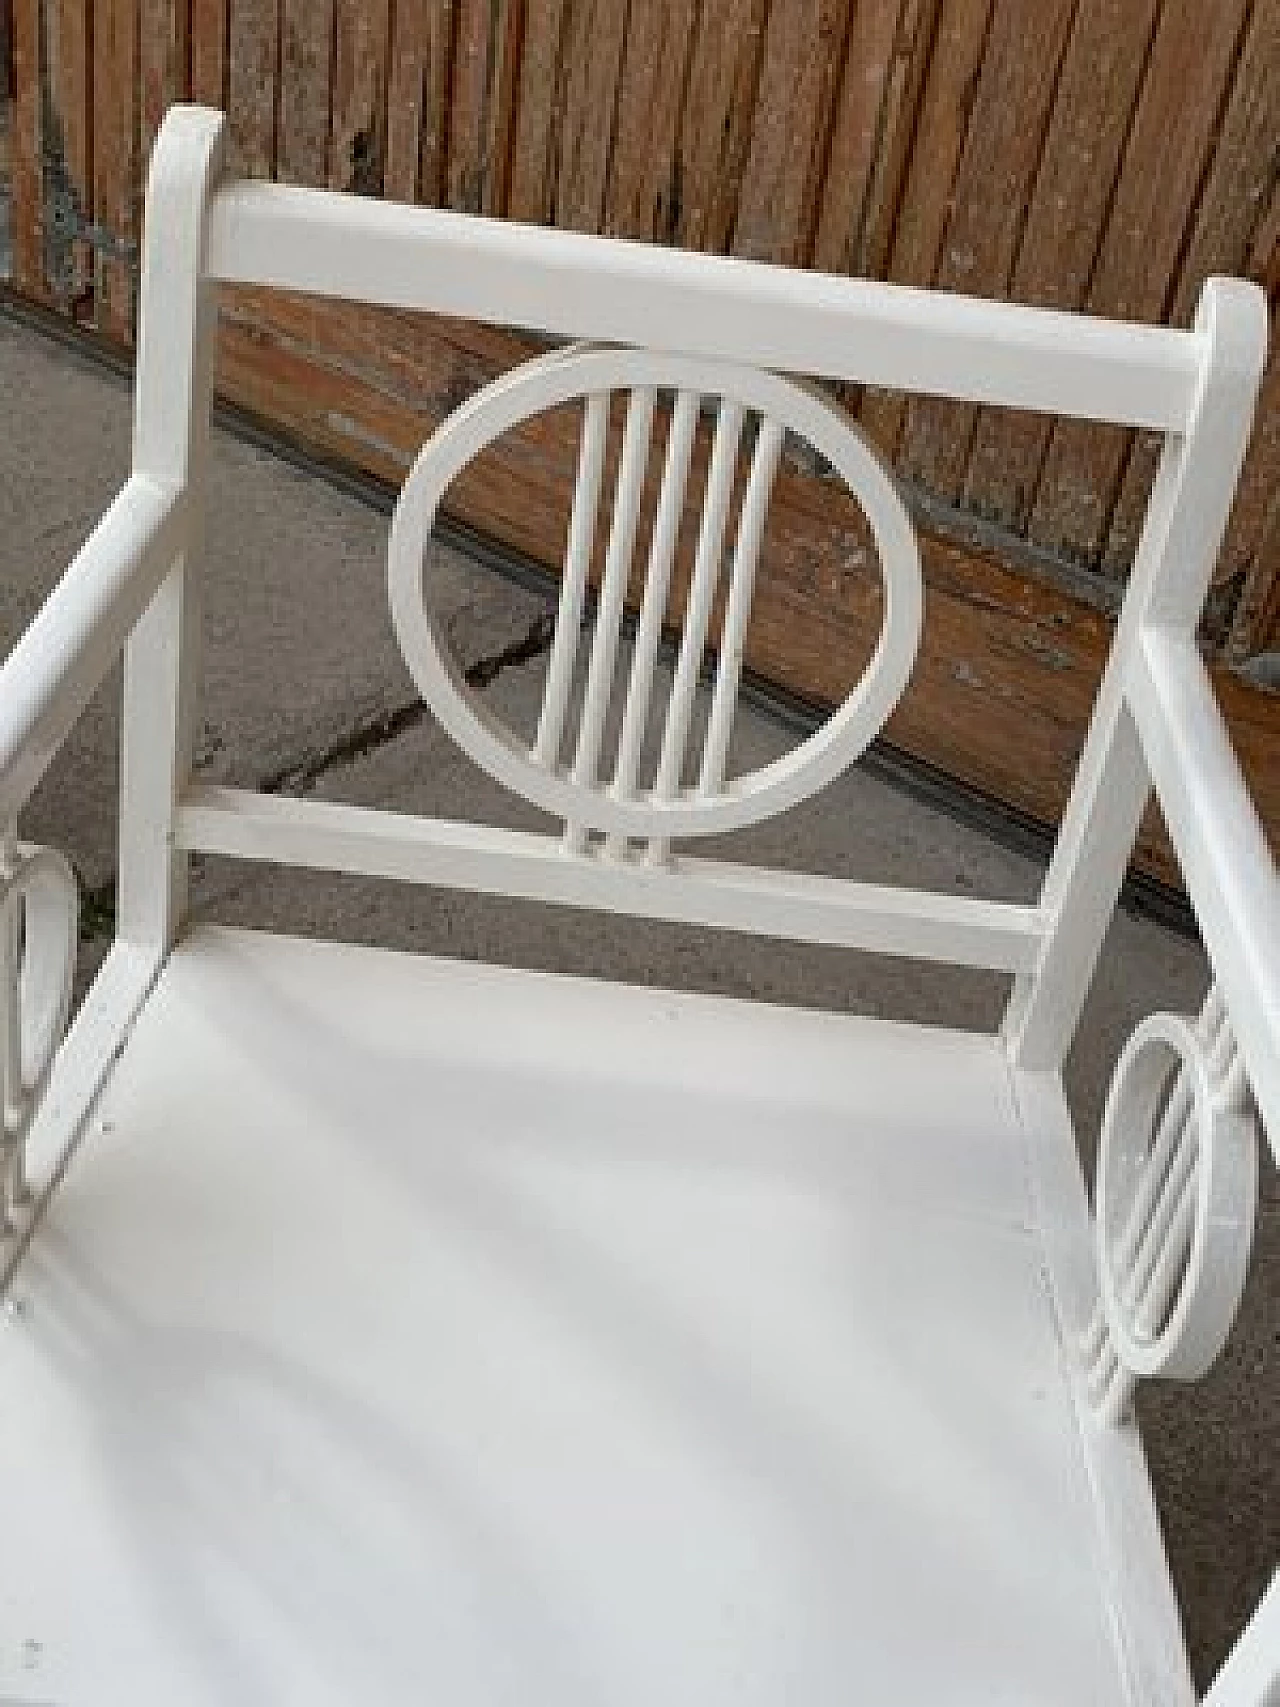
(1181, 537)
(172, 404)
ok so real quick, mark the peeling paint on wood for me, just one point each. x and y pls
(1136, 273)
(946, 102)
(595, 38)
(209, 58)
(486, 58)
(1101, 75)
(715, 128)
(804, 48)
(1238, 192)
(358, 136)
(537, 137)
(644, 196)
(306, 74)
(251, 87)
(117, 166)
(1002, 150)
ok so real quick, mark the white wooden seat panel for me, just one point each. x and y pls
(390, 1341)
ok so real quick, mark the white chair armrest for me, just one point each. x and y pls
(81, 629)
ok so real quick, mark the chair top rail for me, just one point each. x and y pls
(567, 284)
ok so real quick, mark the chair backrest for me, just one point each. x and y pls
(561, 770)
(679, 334)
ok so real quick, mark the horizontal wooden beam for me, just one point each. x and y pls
(914, 924)
(570, 285)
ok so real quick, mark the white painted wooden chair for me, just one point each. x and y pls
(388, 1329)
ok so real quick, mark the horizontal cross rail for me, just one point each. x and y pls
(838, 912)
(570, 285)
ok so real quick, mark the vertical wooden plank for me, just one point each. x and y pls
(209, 59)
(417, 100)
(482, 105)
(595, 38)
(67, 148)
(163, 46)
(172, 398)
(306, 43)
(537, 135)
(1253, 537)
(1176, 118)
(899, 117)
(1264, 635)
(434, 135)
(25, 144)
(1097, 90)
(251, 88)
(116, 167)
(358, 139)
(408, 70)
(791, 131)
(951, 78)
(1233, 204)
(1002, 151)
(715, 129)
(643, 196)
(1252, 545)
(1256, 628)
(857, 136)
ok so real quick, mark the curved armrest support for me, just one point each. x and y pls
(80, 630)
(1222, 847)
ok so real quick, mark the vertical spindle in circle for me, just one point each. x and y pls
(706, 573)
(613, 595)
(573, 586)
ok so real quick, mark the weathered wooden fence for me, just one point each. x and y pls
(1106, 154)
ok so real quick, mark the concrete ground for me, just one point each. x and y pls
(306, 692)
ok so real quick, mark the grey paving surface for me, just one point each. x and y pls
(305, 692)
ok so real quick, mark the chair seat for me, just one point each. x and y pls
(415, 1331)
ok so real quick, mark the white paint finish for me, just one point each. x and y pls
(1222, 847)
(173, 395)
(1170, 1307)
(797, 906)
(1151, 1179)
(737, 613)
(12, 1159)
(382, 1344)
(1186, 516)
(577, 286)
(611, 607)
(39, 912)
(1131, 1561)
(88, 1053)
(678, 1269)
(61, 659)
(707, 560)
(653, 600)
(1251, 1675)
(573, 582)
(667, 810)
